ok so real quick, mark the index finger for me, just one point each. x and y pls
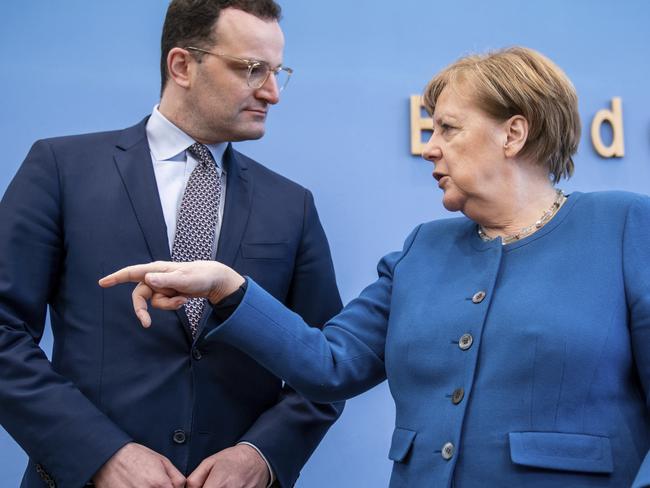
(133, 274)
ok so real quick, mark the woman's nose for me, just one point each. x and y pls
(431, 151)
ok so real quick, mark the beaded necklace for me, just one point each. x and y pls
(560, 198)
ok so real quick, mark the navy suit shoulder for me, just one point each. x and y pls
(94, 143)
(90, 139)
(258, 170)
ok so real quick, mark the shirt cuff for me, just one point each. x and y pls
(271, 474)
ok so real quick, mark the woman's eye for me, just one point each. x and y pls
(444, 127)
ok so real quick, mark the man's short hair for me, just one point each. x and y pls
(190, 23)
(521, 81)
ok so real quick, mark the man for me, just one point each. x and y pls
(122, 410)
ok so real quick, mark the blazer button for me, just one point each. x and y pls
(466, 341)
(196, 354)
(478, 297)
(179, 437)
(457, 396)
(447, 451)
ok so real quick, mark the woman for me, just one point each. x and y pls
(516, 339)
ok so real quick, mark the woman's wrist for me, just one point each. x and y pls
(229, 284)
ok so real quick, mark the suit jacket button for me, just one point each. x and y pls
(447, 451)
(478, 297)
(179, 437)
(466, 341)
(196, 354)
(457, 396)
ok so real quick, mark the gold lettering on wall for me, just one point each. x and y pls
(418, 124)
(615, 118)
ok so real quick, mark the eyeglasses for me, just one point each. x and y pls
(258, 71)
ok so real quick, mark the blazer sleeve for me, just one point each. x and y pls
(288, 433)
(345, 359)
(636, 257)
(44, 412)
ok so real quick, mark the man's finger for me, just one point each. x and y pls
(140, 295)
(176, 477)
(197, 478)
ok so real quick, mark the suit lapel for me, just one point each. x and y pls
(133, 161)
(237, 207)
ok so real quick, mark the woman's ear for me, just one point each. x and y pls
(516, 128)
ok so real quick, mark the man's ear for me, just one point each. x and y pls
(516, 128)
(179, 66)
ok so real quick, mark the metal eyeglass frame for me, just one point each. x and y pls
(251, 64)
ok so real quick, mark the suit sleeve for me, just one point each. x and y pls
(345, 359)
(289, 432)
(636, 256)
(44, 412)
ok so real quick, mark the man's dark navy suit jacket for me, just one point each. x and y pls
(81, 207)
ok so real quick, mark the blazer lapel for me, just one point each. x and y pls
(133, 161)
(237, 207)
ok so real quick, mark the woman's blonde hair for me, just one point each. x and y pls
(521, 81)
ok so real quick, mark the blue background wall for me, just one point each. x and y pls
(342, 128)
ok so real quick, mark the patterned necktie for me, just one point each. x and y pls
(197, 220)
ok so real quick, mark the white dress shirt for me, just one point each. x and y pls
(172, 165)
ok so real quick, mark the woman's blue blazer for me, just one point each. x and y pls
(524, 365)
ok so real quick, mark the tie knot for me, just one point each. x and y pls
(201, 153)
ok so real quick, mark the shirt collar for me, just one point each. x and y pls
(169, 143)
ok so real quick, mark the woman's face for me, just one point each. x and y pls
(467, 152)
